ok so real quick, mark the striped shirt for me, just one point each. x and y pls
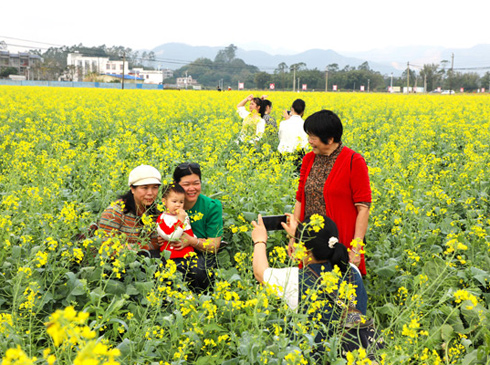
(114, 221)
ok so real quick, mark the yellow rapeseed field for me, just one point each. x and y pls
(66, 154)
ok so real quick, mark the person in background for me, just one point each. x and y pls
(270, 123)
(125, 217)
(292, 137)
(334, 182)
(253, 122)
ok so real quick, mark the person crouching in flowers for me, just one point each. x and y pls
(134, 213)
(326, 270)
(253, 119)
(174, 224)
(206, 216)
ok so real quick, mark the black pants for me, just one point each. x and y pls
(196, 270)
(297, 158)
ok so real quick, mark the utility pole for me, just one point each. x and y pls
(368, 84)
(391, 83)
(326, 79)
(408, 77)
(451, 75)
(124, 61)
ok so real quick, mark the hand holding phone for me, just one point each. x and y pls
(273, 222)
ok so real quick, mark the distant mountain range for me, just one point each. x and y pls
(386, 61)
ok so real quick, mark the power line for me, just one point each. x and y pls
(26, 40)
(94, 52)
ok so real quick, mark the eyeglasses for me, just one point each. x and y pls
(186, 165)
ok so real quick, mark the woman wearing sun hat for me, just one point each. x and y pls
(127, 215)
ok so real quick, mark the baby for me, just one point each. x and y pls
(174, 222)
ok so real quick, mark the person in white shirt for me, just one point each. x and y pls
(253, 119)
(313, 289)
(292, 137)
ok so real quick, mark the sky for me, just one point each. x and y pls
(278, 27)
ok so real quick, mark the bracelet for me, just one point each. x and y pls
(260, 242)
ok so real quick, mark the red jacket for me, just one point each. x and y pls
(170, 228)
(347, 183)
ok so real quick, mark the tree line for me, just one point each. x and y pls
(226, 70)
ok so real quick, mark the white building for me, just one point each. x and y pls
(153, 76)
(186, 82)
(82, 65)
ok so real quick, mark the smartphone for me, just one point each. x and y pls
(273, 222)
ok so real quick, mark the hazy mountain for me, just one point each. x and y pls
(464, 58)
(314, 58)
(386, 61)
(175, 55)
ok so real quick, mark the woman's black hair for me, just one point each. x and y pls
(186, 169)
(172, 188)
(130, 204)
(317, 243)
(266, 103)
(261, 105)
(299, 106)
(324, 124)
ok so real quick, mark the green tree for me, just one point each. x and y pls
(469, 81)
(227, 54)
(485, 81)
(430, 76)
(5, 72)
(261, 80)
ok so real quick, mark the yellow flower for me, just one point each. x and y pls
(317, 222)
(462, 295)
(68, 325)
(17, 357)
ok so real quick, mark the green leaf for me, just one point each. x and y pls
(16, 252)
(482, 276)
(386, 272)
(470, 358)
(446, 332)
(389, 309)
(249, 216)
(96, 294)
(115, 287)
(131, 290)
(143, 288)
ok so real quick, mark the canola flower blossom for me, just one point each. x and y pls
(68, 325)
(462, 295)
(317, 222)
(16, 356)
(66, 154)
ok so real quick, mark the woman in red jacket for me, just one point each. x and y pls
(334, 181)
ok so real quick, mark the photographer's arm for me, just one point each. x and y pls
(259, 237)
